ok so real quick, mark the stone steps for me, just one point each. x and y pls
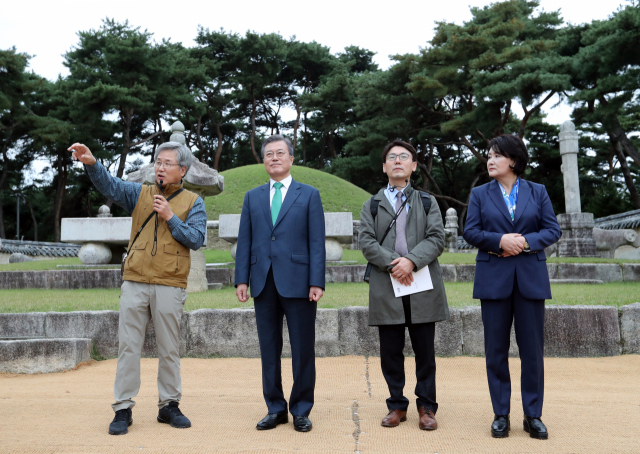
(34, 356)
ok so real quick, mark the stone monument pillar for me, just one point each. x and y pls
(201, 180)
(451, 230)
(577, 227)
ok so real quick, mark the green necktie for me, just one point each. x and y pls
(276, 203)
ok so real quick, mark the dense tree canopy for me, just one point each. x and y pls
(473, 81)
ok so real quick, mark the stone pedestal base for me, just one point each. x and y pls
(95, 254)
(333, 250)
(577, 235)
(197, 280)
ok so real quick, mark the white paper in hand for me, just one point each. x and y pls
(421, 283)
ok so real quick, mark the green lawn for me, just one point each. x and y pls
(337, 195)
(336, 296)
(40, 264)
(447, 258)
(224, 256)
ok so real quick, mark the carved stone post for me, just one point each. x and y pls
(577, 227)
(451, 230)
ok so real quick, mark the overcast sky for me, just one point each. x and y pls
(47, 29)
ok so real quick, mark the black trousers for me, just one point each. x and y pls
(528, 318)
(270, 308)
(392, 360)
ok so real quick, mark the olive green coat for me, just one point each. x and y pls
(425, 241)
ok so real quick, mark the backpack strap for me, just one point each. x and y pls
(374, 207)
(426, 202)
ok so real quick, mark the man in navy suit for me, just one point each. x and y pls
(281, 255)
(511, 221)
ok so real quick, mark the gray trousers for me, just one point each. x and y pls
(138, 303)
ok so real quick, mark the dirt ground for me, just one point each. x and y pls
(591, 406)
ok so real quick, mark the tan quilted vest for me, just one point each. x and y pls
(169, 262)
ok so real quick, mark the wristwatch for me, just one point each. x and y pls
(526, 246)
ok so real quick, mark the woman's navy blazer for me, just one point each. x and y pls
(488, 219)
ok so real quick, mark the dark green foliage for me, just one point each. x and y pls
(473, 81)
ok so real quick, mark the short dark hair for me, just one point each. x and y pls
(513, 147)
(277, 138)
(399, 143)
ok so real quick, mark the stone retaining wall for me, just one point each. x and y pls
(43, 355)
(86, 279)
(570, 331)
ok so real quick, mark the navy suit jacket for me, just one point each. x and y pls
(488, 219)
(294, 246)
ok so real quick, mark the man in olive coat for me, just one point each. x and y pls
(416, 240)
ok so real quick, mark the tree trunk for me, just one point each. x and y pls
(2, 234)
(612, 153)
(296, 125)
(128, 115)
(61, 187)
(332, 145)
(3, 179)
(253, 129)
(216, 162)
(33, 218)
(621, 137)
(324, 145)
(426, 173)
(304, 142)
(199, 139)
(471, 148)
(528, 113)
(635, 197)
(464, 210)
(617, 134)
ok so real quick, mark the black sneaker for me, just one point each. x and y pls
(171, 414)
(121, 422)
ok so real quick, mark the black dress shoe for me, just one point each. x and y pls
(302, 424)
(501, 426)
(535, 428)
(121, 422)
(171, 414)
(272, 420)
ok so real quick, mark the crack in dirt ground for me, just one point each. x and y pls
(356, 421)
(367, 376)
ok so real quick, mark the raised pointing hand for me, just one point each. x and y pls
(82, 153)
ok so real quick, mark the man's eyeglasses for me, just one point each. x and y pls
(278, 153)
(403, 157)
(166, 165)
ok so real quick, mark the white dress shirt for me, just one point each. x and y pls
(392, 196)
(283, 190)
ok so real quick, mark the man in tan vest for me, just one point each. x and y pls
(155, 274)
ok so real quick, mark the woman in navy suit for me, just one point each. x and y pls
(511, 222)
